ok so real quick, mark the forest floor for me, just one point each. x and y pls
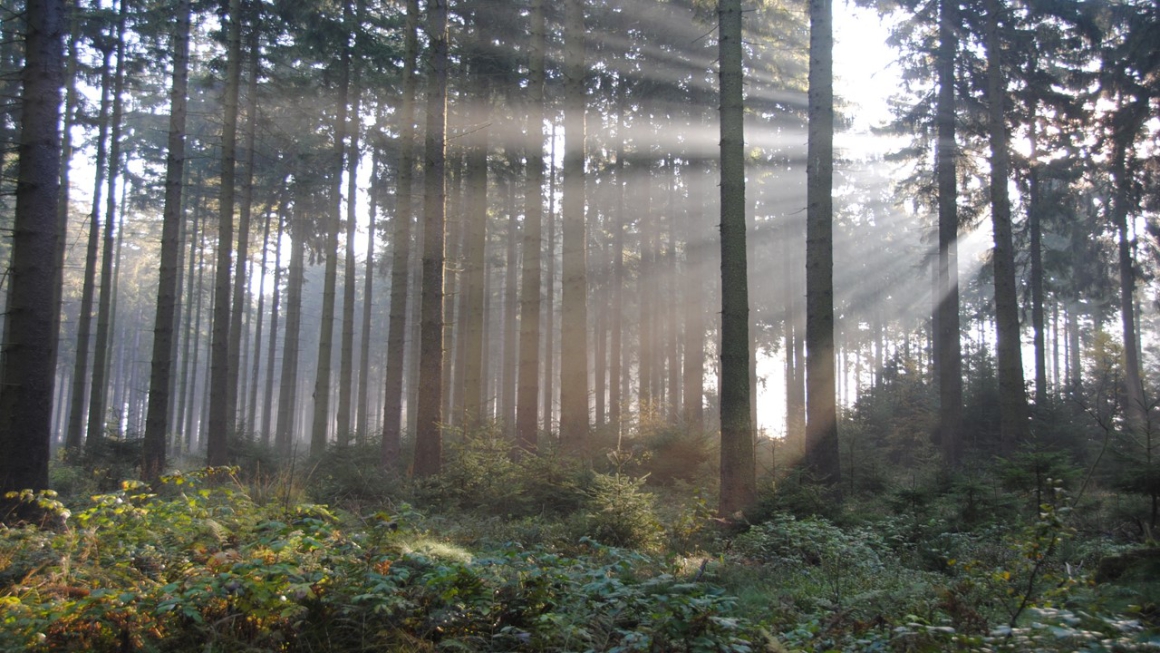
(546, 554)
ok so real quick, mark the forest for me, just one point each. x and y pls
(593, 325)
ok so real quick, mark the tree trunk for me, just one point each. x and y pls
(549, 399)
(948, 343)
(284, 436)
(1012, 399)
(362, 423)
(615, 340)
(191, 314)
(1034, 226)
(672, 316)
(220, 421)
(276, 295)
(241, 275)
(251, 418)
(320, 424)
(66, 151)
(822, 454)
(738, 464)
(157, 422)
(26, 374)
(1136, 409)
(191, 411)
(527, 406)
(507, 393)
(475, 242)
(574, 302)
(76, 434)
(694, 300)
(428, 436)
(98, 391)
(346, 356)
(397, 322)
(645, 295)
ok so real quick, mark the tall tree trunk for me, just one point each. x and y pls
(599, 291)
(1034, 226)
(574, 300)
(672, 317)
(694, 300)
(245, 207)
(191, 314)
(615, 340)
(453, 297)
(397, 323)
(738, 458)
(645, 294)
(157, 422)
(1012, 398)
(527, 407)
(26, 374)
(475, 240)
(251, 418)
(822, 455)
(507, 393)
(346, 356)
(98, 391)
(197, 244)
(284, 435)
(549, 399)
(949, 341)
(362, 423)
(220, 421)
(76, 434)
(276, 295)
(320, 425)
(428, 437)
(1133, 388)
(180, 323)
(66, 150)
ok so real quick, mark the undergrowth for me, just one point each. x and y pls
(510, 551)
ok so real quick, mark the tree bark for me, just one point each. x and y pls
(157, 421)
(738, 465)
(574, 301)
(948, 336)
(98, 391)
(276, 295)
(76, 434)
(401, 240)
(241, 274)
(26, 375)
(549, 398)
(219, 420)
(66, 151)
(362, 413)
(1136, 408)
(320, 424)
(288, 386)
(694, 299)
(346, 356)
(428, 436)
(507, 390)
(616, 338)
(475, 239)
(527, 406)
(822, 454)
(1012, 395)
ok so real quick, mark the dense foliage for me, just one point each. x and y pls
(591, 557)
